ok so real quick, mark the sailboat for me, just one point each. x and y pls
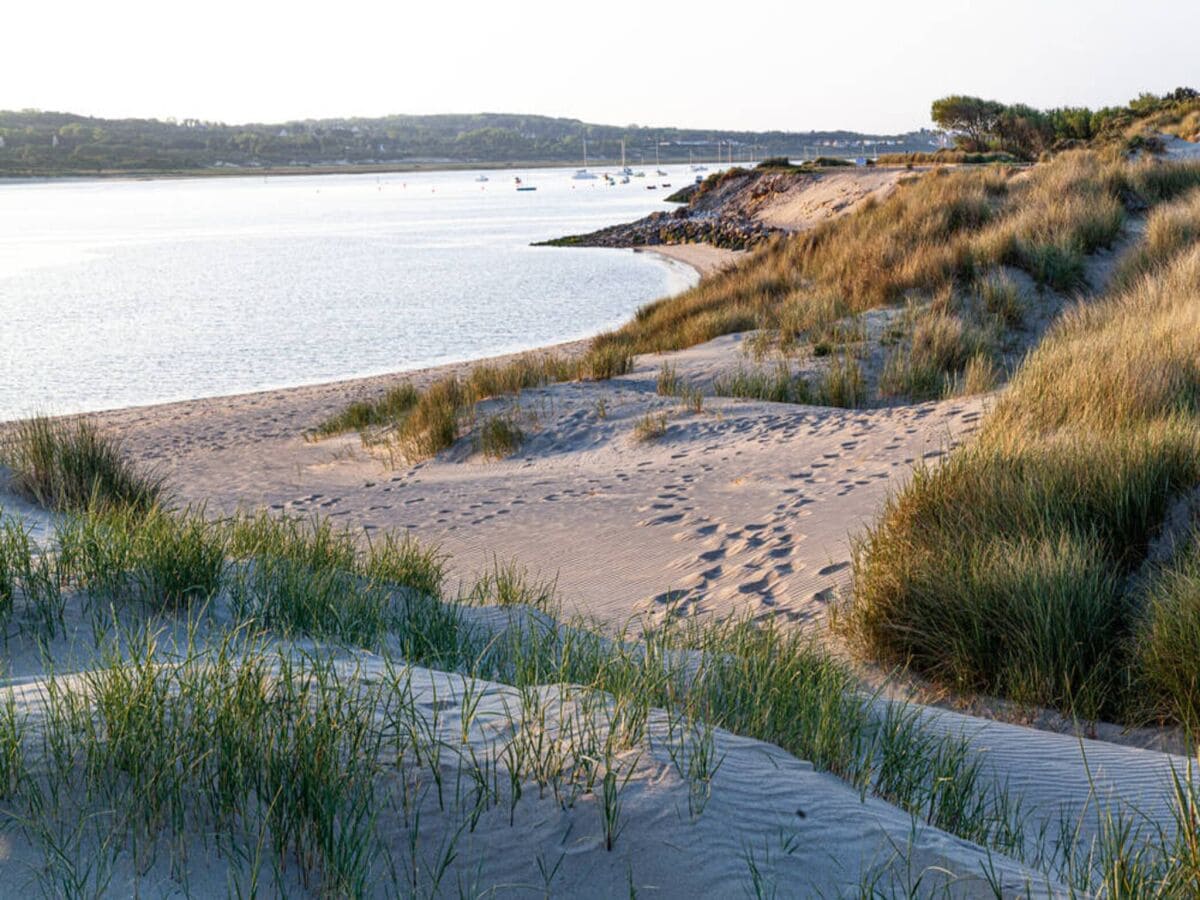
(583, 174)
(658, 169)
(694, 167)
(625, 170)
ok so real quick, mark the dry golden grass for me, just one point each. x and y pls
(1170, 229)
(947, 226)
(937, 236)
(1007, 568)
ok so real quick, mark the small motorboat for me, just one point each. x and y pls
(481, 178)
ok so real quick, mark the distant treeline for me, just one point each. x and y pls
(35, 142)
(988, 125)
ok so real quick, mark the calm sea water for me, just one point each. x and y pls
(118, 293)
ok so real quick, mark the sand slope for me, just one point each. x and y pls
(763, 822)
(745, 505)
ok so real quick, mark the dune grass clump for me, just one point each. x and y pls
(1007, 569)
(949, 225)
(71, 465)
(1170, 230)
(1168, 639)
(945, 157)
(421, 423)
(308, 578)
(777, 385)
(650, 427)
(362, 414)
(670, 384)
(1001, 298)
(239, 742)
(932, 360)
(433, 424)
(842, 384)
(159, 557)
(16, 553)
(500, 436)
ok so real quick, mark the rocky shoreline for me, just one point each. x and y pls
(738, 209)
(714, 212)
(675, 227)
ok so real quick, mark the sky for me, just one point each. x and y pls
(866, 66)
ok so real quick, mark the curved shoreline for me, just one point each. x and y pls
(704, 258)
(322, 398)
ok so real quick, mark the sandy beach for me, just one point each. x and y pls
(738, 507)
(742, 506)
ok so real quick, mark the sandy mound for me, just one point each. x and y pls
(744, 505)
(805, 204)
(753, 819)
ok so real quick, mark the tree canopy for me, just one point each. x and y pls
(35, 142)
(1024, 131)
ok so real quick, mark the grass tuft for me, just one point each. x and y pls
(778, 385)
(650, 427)
(500, 436)
(1008, 568)
(70, 465)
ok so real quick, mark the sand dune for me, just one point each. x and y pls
(741, 506)
(744, 505)
(761, 819)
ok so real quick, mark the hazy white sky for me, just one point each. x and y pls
(865, 65)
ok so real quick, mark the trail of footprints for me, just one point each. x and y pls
(757, 561)
(761, 562)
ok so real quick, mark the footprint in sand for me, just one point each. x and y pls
(833, 567)
(662, 520)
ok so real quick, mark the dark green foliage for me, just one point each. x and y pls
(1027, 132)
(62, 143)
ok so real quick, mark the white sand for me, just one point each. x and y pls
(743, 506)
(1178, 148)
(831, 193)
(806, 833)
(704, 258)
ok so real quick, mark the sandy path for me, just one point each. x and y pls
(744, 505)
